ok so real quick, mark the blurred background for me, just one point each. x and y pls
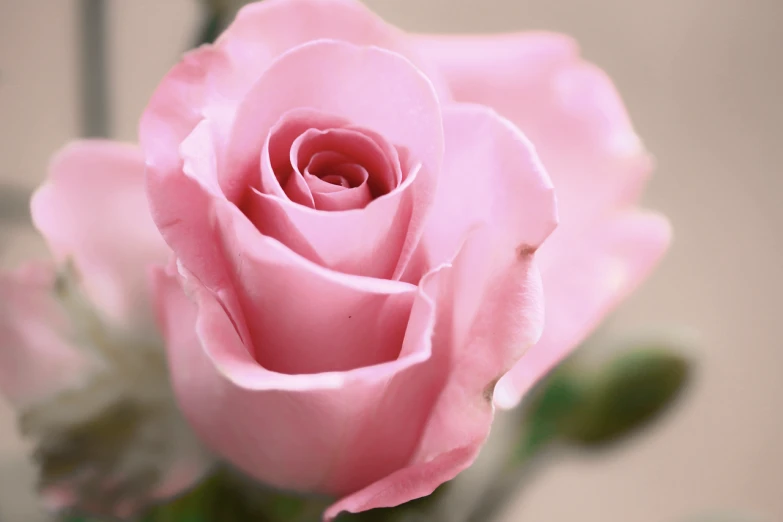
(702, 80)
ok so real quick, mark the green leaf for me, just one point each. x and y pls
(626, 394)
(590, 408)
(210, 29)
(218, 15)
(550, 407)
(228, 496)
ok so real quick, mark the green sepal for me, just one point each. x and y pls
(625, 395)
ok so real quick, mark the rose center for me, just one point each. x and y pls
(325, 163)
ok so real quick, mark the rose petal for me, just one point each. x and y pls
(298, 190)
(209, 81)
(276, 156)
(367, 86)
(491, 176)
(93, 211)
(318, 143)
(345, 197)
(303, 318)
(329, 432)
(324, 151)
(202, 79)
(322, 163)
(372, 241)
(277, 161)
(566, 107)
(489, 310)
(354, 144)
(370, 102)
(263, 31)
(586, 273)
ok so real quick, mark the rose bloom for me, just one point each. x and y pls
(356, 215)
(81, 353)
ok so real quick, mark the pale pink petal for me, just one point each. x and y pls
(341, 157)
(350, 198)
(93, 211)
(37, 357)
(203, 78)
(298, 190)
(373, 89)
(489, 310)
(264, 30)
(568, 108)
(370, 241)
(322, 162)
(366, 86)
(331, 432)
(181, 199)
(338, 184)
(491, 176)
(351, 143)
(277, 162)
(306, 319)
(587, 272)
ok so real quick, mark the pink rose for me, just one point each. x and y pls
(359, 245)
(79, 345)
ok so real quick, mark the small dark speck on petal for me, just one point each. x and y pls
(489, 391)
(350, 316)
(525, 251)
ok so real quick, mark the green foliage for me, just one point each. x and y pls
(595, 408)
(627, 394)
(227, 497)
(218, 14)
(550, 408)
(210, 29)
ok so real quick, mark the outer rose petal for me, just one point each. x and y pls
(565, 106)
(36, 357)
(491, 176)
(489, 310)
(264, 30)
(331, 432)
(586, 275)
(304, 319)
(93, 211)
(573, 114)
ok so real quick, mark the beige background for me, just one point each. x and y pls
(703, 80)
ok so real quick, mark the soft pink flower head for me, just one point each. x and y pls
(355, 215)
(79, 346)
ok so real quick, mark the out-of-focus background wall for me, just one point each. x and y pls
(703, 80)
